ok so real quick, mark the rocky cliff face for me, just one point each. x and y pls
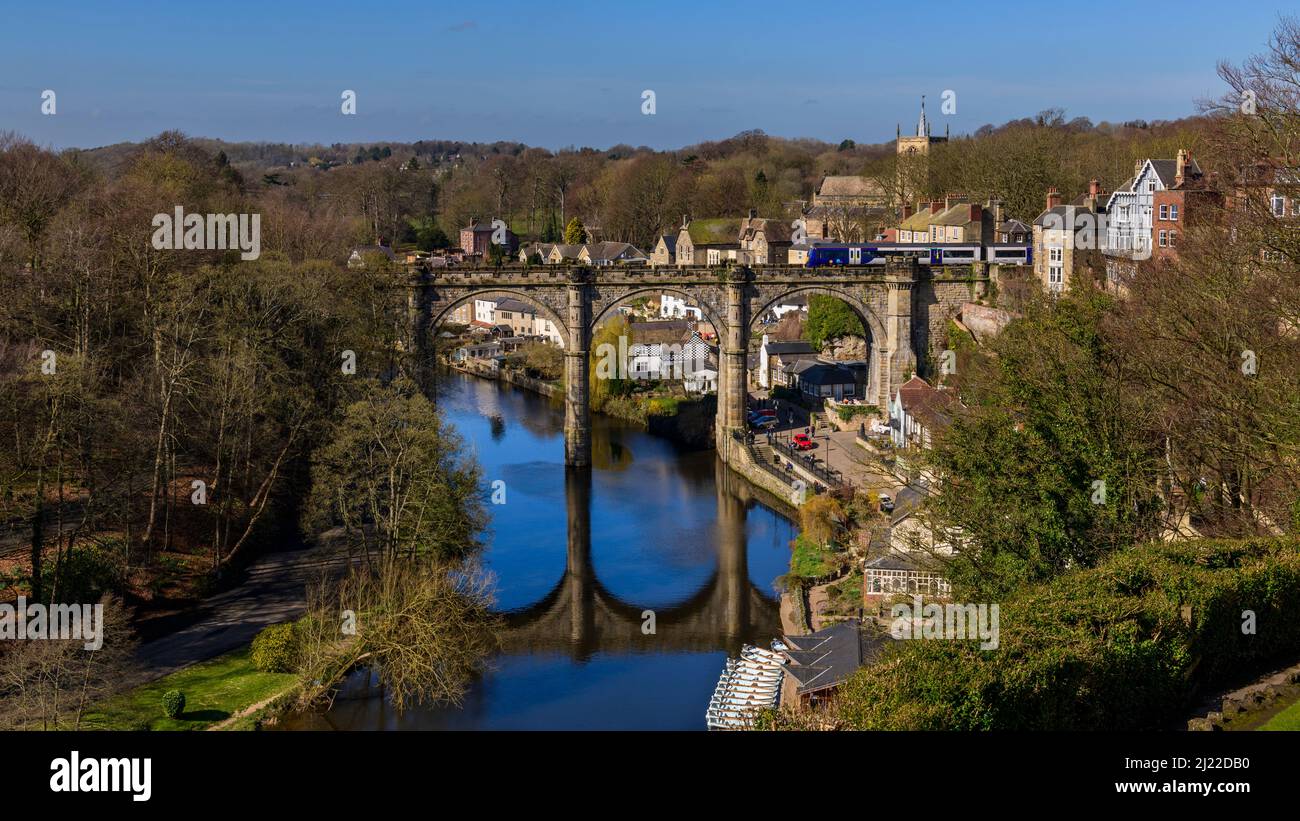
(846, 347)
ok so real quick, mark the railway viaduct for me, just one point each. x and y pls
(903, 305)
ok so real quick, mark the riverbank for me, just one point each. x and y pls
(226, 692)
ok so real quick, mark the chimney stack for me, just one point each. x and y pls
(936, 206)
(907, 210)
(1053, 198)
(753, 213)
(1094, 188)
(996, 209)
(1180, 167)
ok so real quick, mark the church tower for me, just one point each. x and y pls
(914, 158)
(921, 142)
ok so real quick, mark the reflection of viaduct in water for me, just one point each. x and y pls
(580, 616)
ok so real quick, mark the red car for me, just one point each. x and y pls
(802, 442)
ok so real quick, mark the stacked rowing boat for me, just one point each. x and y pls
(748, 684)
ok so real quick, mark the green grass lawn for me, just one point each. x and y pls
(1288, 719)
(809, 560)
(214, 691)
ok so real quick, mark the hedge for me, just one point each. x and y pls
(1111, 647)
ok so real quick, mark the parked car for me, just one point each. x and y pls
(802, 442)
(886, 503)
(763, 422)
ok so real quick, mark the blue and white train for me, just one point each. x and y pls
(944, 253)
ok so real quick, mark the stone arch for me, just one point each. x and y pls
(877, 340)
(873, 323)
(710, 312)
(444, 311)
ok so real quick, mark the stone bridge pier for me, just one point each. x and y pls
(577, 374)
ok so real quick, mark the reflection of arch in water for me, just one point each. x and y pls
(581, 616)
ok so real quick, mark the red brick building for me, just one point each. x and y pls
(476, 238)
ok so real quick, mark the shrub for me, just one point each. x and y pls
(275, 650)
(1129, 644)
(173, 703)
(848, 412)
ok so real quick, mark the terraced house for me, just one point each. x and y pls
(765, 241)
(1065, 234)
(697, 237)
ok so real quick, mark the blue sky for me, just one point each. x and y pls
(572, 73)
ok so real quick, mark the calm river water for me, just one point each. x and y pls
(583, 560)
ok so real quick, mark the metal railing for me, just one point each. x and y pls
(783, 444)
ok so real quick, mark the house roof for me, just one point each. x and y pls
(567, 251)
(712, 231)
(824, 210)
(958, 214)
(825, 373)
(670, 241)
(892, 560)
(542, 248)
(826, 658)
(774, 231)
(925, 402)
(778, 348)
(610, 250)
(663, 324)
(658, 333)
(917, 222)
(362, 250)
(1168, 171)
(849, 186)
(799, 362)
(516, 305)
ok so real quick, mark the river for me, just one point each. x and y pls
(624, 587)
